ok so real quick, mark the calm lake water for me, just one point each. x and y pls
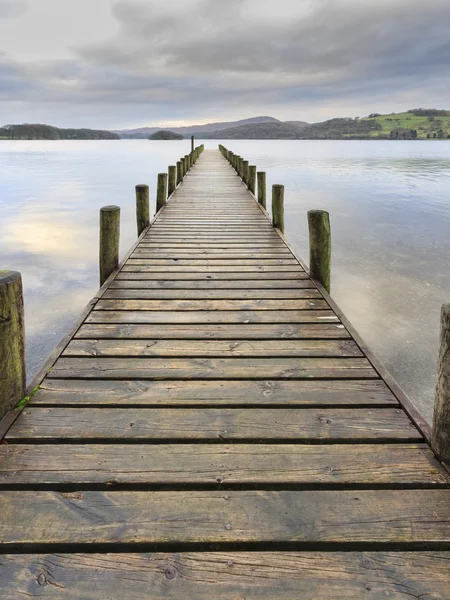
(390, 215)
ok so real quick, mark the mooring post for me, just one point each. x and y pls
(12, 341)
(192, 143)
(172, 180)
(245, 171)
(320, 246)
(262, 188)
(278, 206)
(179, 172)
(161, 193)
(440, 437)
(252, 179)
(186, 162)
(109, 241)
(142, 208)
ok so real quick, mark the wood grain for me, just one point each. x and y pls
(214, 424)
(212, 368)
(227, 575)
(225, 465)
(363, 517)
(79, 392)
(213, 348)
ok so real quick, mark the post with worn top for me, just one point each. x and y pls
(172, 180)
(192, 143)
(12, 341)
(262, 188)
(252, 179)
(320, 246)
(161, 193)
(440, 437)
(179, 172)
(109, 241)
(278, 206)
(186, 159)
(142, 208)
(245, 172)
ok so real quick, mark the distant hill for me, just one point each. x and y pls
(145, 132)
(165, 134)
(257, 131)
(415, 124)
(418, 123)
(37, 131)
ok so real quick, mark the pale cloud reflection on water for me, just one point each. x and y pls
(390, 213)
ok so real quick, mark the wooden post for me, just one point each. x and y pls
(278, 206)
(245, 171)
(262, 188)
(172, 180)
(186, 163)
(192, 143)
(179, 172)
(252, 179)
(12, 341)
(319, 246)
(142, 208)
(109, 241)
(440, 437)
(161, 194)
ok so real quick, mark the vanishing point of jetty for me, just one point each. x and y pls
(213, 427)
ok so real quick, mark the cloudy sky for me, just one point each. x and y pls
(128, 63)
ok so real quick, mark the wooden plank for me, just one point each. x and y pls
(278, 285)
(135, 266)
(212, 368)
(212, 348)
(212, 305)
(230, 332)
(213, 316)
(98, 392)
(398, 465)
(196, 255)
(362, 517)
(214, 294)
(227, 575)
(214, 424)
(207, 275)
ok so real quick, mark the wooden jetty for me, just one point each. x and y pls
(214, 428)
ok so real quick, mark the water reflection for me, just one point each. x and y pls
(390, 213)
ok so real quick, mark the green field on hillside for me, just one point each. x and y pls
(427, 125)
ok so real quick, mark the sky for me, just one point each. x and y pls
(112, 64)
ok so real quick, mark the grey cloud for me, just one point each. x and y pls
(10, 9)
(172, 58)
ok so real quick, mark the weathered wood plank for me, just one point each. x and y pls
(212, 305)
(214, 424)
(207, 275)
(215, 294)
(210, 262)
(278, 285)
(212, 316)
(213, 465)
(204, 254)
(212, 348)
(370, 392)
(199, 332)
(227, 575)
(212, 368)
(361, 517)
(131, 266)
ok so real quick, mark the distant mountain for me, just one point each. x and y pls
(37, 131)
(414, 124)
(258, 131)
(145, 132)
